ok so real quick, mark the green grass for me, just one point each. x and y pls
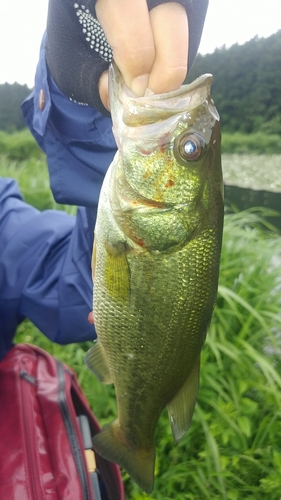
(33, 179)
(233, 448)
(257, 142)
(19, 145)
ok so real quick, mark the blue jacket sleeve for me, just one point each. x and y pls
(44, 270)
(45, 257)
(76, 138)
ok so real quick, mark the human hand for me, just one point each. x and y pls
(150, 48)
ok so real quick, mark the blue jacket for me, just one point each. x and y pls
(45, 257)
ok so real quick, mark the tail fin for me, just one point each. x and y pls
(112, 444)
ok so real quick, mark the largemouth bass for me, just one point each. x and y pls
(155, 264)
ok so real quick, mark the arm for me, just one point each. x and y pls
(44, 270)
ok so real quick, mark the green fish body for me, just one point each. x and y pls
(155, 264)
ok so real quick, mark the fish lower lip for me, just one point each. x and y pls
(128, 204)
(140, 208)
(150, 206)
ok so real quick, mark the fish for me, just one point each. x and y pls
(155, 264)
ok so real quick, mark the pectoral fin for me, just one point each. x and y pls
(181, 408)
(96, 361)
(117, 273)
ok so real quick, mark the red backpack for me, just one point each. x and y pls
(46, 426)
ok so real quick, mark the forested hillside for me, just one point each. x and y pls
(246, 87)
(11, 97)
(247, 84)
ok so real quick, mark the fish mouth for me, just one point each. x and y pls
(153, 108)
(140, 204)
(127, 204)
(124, 198)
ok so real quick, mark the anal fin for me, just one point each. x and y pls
(181, 407)
(96, 361)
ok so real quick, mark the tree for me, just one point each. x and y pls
(11, 97)
(246, 87)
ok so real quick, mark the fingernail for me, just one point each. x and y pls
(140, 84)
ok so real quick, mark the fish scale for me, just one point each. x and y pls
(155, 265)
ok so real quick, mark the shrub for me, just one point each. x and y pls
(259, 143)
(19, 145)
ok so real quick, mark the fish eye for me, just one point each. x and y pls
(189, 146)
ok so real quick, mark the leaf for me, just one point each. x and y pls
(245, 425)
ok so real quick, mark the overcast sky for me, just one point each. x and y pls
(22, 23)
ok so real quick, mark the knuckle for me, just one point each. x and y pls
(138, 60)
(168, 77)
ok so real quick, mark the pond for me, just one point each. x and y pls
(253, 181)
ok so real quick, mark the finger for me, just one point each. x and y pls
(126, 24)
(103, 90)
(170, 30)
(91, 317)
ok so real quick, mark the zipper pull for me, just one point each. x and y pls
(27, 376)
(90, 455)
